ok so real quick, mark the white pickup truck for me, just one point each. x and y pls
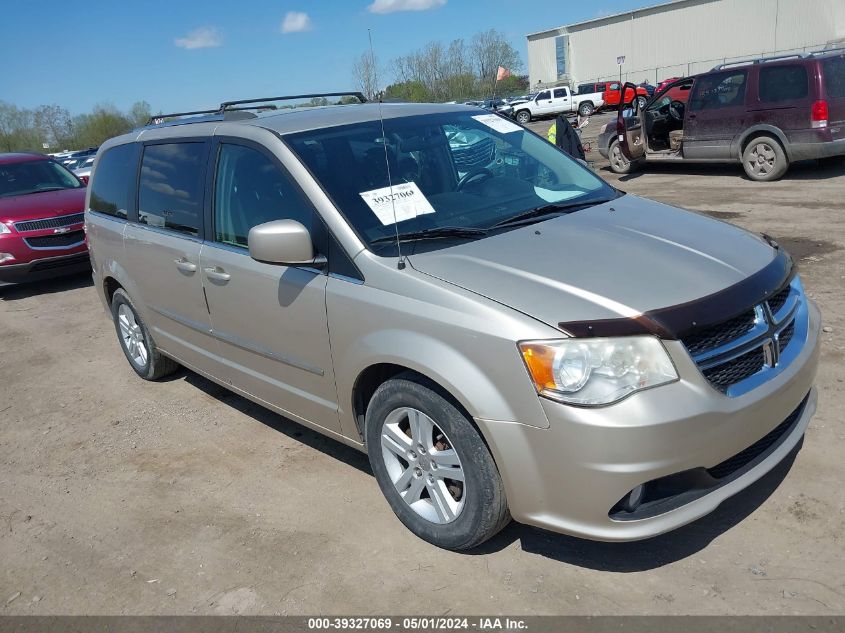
(556, 101)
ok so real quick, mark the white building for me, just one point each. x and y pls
(680, 38)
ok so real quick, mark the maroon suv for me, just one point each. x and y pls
(765, 114)
(41, 219)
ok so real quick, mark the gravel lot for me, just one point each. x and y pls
(119, 496)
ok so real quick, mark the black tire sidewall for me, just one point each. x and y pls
(586, 109)
(630, 165)
(523, 114)
(479, 518)
(121, 298)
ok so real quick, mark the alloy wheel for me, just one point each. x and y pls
(423, 465)
(132, 336)
(762, 159)
(618, 159)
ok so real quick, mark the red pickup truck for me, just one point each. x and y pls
(611, 95)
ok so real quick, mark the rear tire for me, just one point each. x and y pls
(135, 340)
(523, 117)
(415, 437)
(764, 159)
(619, 163)
(586, 109)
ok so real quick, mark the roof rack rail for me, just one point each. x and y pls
(760, 60)
(236, 107)
(227, 105)
(159, 118)
(825, 51)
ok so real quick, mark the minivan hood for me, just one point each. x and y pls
(617, 259)
(42, 205)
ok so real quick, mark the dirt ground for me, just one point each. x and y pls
(119, 496)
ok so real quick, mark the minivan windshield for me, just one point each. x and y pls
(452, 176)
(35, 176)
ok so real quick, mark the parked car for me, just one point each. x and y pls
(82, 169)
(764, 114)
(556, 101)
(498, 105)
(611, 95)
(666, 82)
(41, 219)
(522, 340)
(647, 87)
(74, 157)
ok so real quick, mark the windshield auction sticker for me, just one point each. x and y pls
(397, 203)
(498, 123)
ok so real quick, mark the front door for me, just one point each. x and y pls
(715, 114)
(163, 251)
(629, 129)
(269, 320)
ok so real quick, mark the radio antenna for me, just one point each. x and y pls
(401, 264)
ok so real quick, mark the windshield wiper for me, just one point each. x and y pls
(432, 234)
(546, 209)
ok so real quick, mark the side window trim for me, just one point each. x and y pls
(134, 215)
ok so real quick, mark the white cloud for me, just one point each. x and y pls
(296, 22)
(391, 6)
(203, 37)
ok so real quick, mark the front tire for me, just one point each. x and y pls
(136, 342)
(764, 159)
(523, 117)
(432, 465)
(619, 163)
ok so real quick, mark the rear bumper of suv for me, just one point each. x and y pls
(802, 149)
(691, 447)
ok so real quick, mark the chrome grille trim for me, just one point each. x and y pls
(49, 223)
(778, 336)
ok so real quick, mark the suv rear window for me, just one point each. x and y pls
(114, 183)
(783, 83)
(170, 195)
(834, 76)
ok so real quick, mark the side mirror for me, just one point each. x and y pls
(283, 242)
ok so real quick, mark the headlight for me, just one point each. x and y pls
(599, 370)
(4, 229)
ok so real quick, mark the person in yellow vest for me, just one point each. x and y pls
(552, 133)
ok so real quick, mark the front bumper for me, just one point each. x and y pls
(46, 268)
(568, 477)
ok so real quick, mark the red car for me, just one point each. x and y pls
(611, 95)
(41, 219)
(666, 82)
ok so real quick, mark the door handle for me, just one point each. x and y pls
(217, 274)
(185, 266)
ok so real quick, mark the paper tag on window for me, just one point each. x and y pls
(497, 123)
(406, 197)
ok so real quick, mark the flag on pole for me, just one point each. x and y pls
(502, 73)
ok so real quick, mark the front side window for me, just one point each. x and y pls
(35, 176)
(114, 182)
(449, 171)
(171, 191)
(783, 83)
(544, 95)
(719, 90)
(250, 189)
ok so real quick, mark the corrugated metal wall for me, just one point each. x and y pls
(687, 37)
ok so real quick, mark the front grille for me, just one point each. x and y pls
(731, 372)
(717, 335)
(786, 335)
(60, 262)
(50, 223)
(745, 457)
(468, 157)
(62, 240)
(776, 301)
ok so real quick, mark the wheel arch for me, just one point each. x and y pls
(757, 131)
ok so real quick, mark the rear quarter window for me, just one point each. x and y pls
(783, 83)
(113, 185)
(834, 76)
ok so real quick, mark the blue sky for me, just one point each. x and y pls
(190, 54)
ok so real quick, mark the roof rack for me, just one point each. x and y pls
(264, 103)
(227, 105)
(774, 58)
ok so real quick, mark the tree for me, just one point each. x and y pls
(104, 122)
(490, 49)
(17, 129)
(408, 91)
(140, 113)
(54, 124)
(365, 74)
